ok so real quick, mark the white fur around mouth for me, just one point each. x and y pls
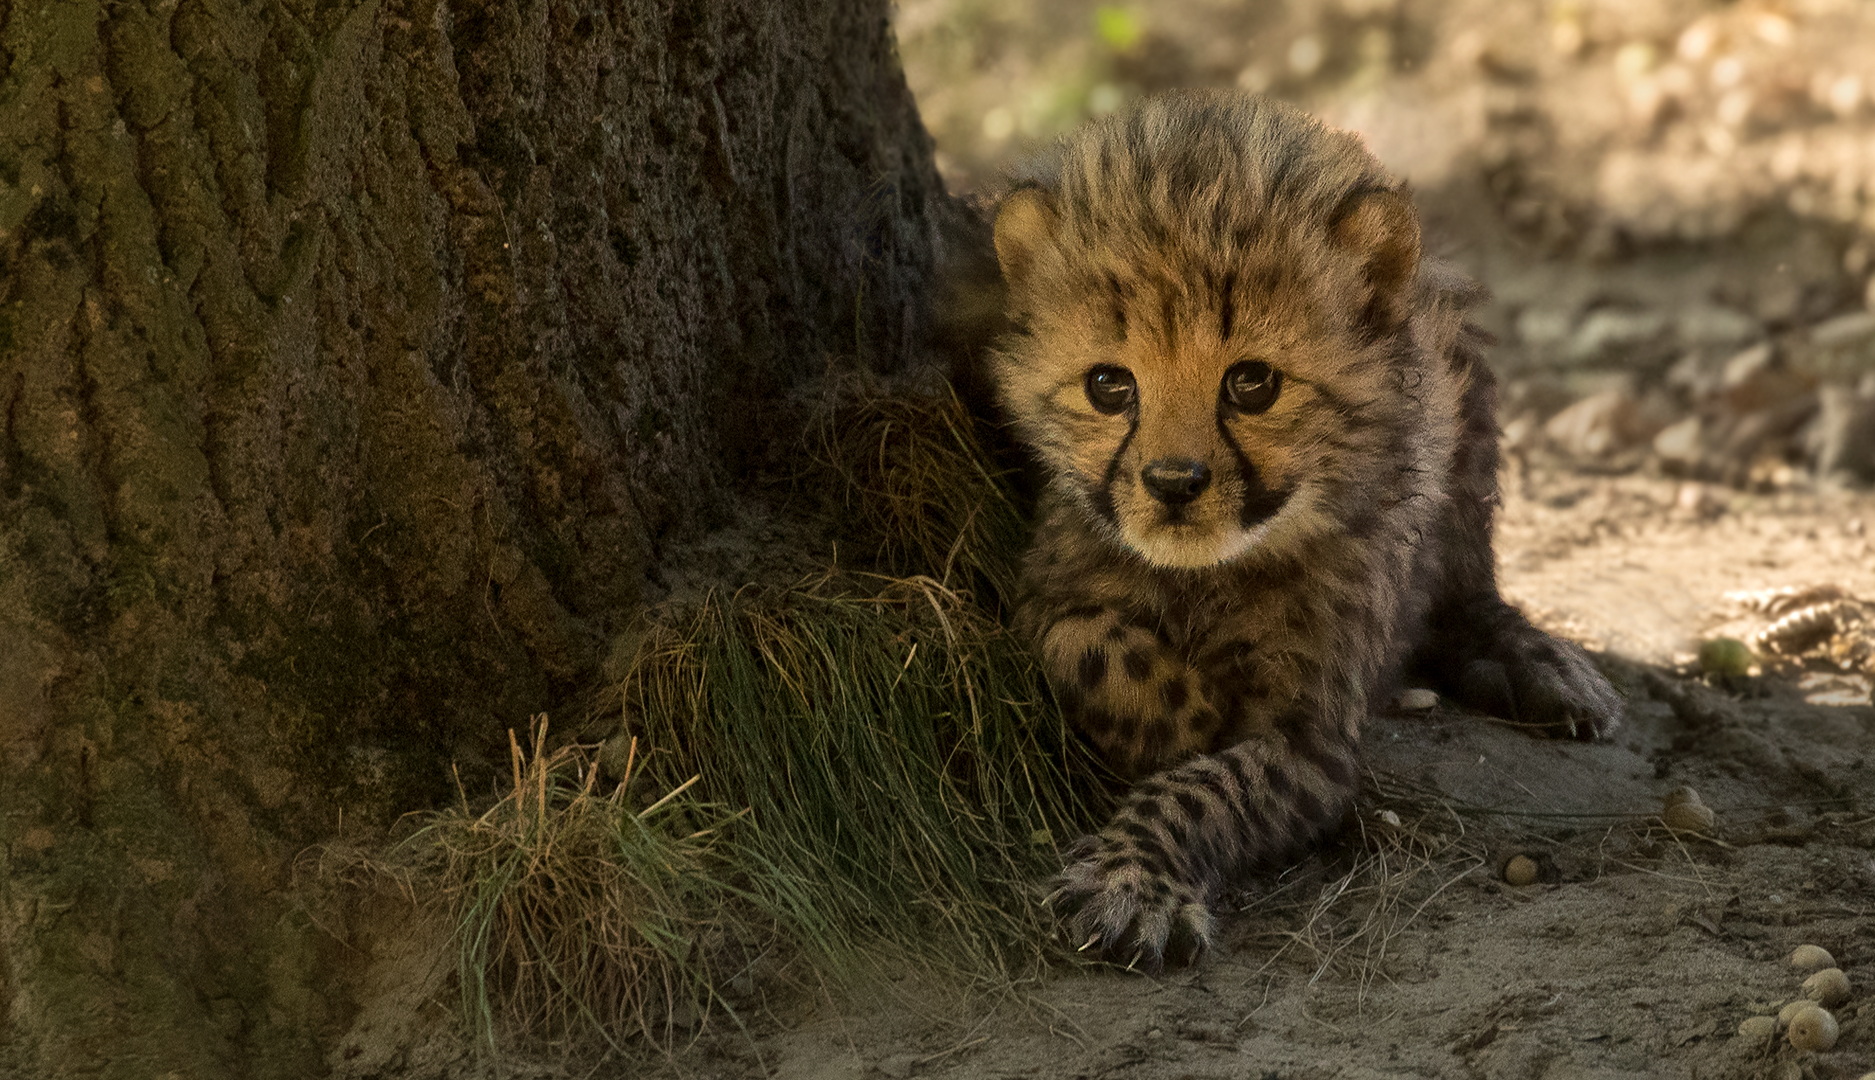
(1186, 546)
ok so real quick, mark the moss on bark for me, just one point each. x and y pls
(357, 362)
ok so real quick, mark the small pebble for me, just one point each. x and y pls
(1520, 870)
(1416, 699)
(1690, 817)
(1695, 499)
(1790, 1010)
(1681, 794)
(1811, 958)
(1812, 1029)
(1829, 987)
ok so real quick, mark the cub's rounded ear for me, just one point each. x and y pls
(1025, 226)
(1381, 228)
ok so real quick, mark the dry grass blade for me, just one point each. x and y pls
(1350, 923)
(919, 495)
(576, 913)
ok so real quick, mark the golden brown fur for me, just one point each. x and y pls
(1271, 466)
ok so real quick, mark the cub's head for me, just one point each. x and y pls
(1212, 292)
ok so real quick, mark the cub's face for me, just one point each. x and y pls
(1200, 408)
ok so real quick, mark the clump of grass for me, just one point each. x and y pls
(865, 769)
(575, 911)
(919, 494)
(907, 781)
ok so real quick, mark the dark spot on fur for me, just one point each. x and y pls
(1191, 804)
(1177, 832)
(1233, 800)
(1308, 806)
(1153, 862)
(1138, 665)
(1095, 721)
(1093, 667)
(1119, 305)
(1339, 769)
(1278, 782)
(1116, 632)
(1174, 693)
(1206, 721)
(1326, 750)
(1147, 808)
(1364, 522)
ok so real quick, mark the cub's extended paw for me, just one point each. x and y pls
(1544, 683)
(1122, 907)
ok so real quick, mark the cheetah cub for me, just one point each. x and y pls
(1272, 465)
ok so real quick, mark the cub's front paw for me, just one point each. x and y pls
(1542, 682)
(1122, 906)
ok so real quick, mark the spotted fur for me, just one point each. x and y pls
(1271, 454)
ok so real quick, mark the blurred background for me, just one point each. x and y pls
(1673, 201)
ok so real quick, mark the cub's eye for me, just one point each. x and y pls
(1252, 386)
(1110, 389)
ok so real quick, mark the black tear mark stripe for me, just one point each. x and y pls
(1103, 499)
(1260, 502)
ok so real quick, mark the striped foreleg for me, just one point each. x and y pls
(1141, 889)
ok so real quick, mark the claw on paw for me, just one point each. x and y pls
(1116, 910)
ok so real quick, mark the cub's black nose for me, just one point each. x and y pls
(1175, 482)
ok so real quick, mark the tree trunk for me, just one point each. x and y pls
(358, 361)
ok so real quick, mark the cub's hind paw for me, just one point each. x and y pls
(1122, 909)
(1541, 682)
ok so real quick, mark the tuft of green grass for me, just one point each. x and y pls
(907, 782)
(575, 911)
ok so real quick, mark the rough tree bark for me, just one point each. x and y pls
(357, 363)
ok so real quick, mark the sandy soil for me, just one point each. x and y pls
(1402, 952)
